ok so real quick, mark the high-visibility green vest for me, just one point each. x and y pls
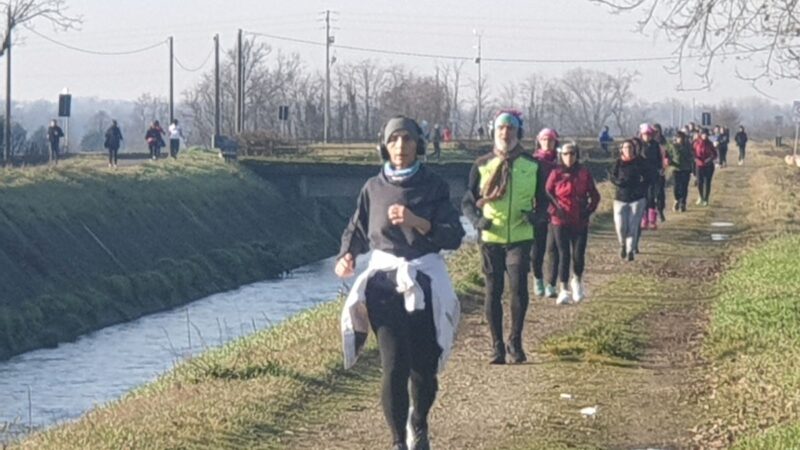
(507, 213)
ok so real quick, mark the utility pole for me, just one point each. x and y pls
(328, 42)
(216, 85)
(239, 87)
(480, 84)
(171, 82)
(7, 134)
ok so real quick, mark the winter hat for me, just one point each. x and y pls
(645, 128)
(547, 133)
(508, 118)
(400, 123)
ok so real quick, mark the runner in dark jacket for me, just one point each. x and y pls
(704, 155)
(682, 162)
(404, 214)
(543, 243)
(741, 142)
(113, 139)
(500, 202)
(154, 139)
(654, 156)
(573, 198)
(631, 178)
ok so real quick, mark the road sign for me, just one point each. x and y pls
(796, 111)
(64, 101)
(706, 119)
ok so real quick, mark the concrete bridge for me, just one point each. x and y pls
(331, 180)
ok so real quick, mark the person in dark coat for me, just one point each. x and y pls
(741, 142)
(405, 216)
(631, 179)
(54, 135)
(704, 155)
(155, 139)
(113, 140)
(682, 163)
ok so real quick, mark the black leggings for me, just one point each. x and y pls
(741, 153)
(723, 155)
(704, 176)
(408, 349)
(543, 244)
(571, 244)
(499, 259)
(112, 155)
(681, 188)
(54, 150)
(656, 197)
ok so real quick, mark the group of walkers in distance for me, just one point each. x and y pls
(532, 210)
(113, 140)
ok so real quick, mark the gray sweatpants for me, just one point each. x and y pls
(627, 217)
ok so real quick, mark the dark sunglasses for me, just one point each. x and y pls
(568, 154)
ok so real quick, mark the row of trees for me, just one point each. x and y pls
(366, 93)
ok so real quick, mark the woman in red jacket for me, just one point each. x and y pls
(704, 155)
(573, 197)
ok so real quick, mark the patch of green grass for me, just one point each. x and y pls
(785, 437)
(608, 329)
(759, 306)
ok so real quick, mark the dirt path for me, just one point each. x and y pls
(653, 402)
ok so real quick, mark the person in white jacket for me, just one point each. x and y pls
(405, 216)
(175, 136)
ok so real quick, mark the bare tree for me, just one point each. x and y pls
(764, 31)
(588, 99)
(451, 83)
(26, 12)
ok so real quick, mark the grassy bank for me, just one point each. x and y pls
(753, 336)
(82, 246)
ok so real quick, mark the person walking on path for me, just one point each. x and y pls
(154, 139)
(437, 142)
(405, 216)
(631, 178)
(654, 156)
(573, 198)
(741, 142)
(175, 136)
(661, 194)
(500, 200)
(723, 138)
(113, 139)
(54, 135)
(704, 155)
(605, 139)
(543, 243)
(682, 162)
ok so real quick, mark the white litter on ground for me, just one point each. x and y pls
(720, 237)
(589, 411)
(722, 224)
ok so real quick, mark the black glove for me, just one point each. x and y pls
(484, 223)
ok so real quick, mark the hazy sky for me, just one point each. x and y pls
(563, 29)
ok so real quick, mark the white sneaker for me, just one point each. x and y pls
(563, 297)
(577, 289)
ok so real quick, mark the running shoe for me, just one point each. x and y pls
(417, 439)
(577, 289)
(538, 287)
(705, 202)
(699, 202)
(675, 207)
(630, 256)
(622, 252)
(563, 297)
(550, 291)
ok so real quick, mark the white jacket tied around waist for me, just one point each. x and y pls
(446, 309)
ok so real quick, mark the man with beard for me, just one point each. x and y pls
(500, 203)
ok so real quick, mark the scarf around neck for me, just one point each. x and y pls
(496, 187)
(398, 175)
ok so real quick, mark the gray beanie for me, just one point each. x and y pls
(400, 123)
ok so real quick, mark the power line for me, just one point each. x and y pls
(505, 60)
(95, 52)
(180, 64)
(284, 38)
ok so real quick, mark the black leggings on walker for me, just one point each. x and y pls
(571, 244)
(408, 349)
